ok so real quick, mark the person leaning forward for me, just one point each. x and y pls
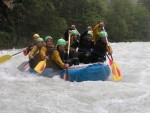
(29, 48)
(46, 50)
(58, 55)
(34, 55)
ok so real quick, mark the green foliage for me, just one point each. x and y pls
(146, 3)
(5, 40)
(125, 20)
(142, 23)
(120, 20)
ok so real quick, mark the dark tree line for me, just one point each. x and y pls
(124, 19)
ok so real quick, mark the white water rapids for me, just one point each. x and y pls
(22, 92)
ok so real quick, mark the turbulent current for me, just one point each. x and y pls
(23, 92)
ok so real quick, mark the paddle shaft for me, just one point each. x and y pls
(107, 44)
(16, 53)
(7, 57)
(108, 57)
(68, 48)
(65, 77)
(77, 31)
(42, 64)
(115, 69)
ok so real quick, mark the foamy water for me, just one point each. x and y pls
(22, 92)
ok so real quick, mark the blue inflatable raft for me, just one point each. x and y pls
(92, 72)
(85, 72)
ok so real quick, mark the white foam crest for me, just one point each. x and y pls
(23, 92)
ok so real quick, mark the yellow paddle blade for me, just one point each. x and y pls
(116, 73)
(5, 58)
(40, 66)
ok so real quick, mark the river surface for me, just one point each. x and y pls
(22, 92)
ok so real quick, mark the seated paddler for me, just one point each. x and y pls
(85, 46)
(46, 50)
(58, 55)
(34, 55)
(74, 44)
(101, 48)
(29, 48)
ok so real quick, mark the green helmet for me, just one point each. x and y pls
(74, 32)
(48, 37)
(90, 33)
(103, 34)
(61, 42)
(39, 40)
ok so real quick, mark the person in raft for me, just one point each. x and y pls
(34, 55)
(74, 43)
(101, 48)
(30, 46)
(46, 50)
(58, 55)
(85, 46)
(66, 34)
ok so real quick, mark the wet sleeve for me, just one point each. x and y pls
(32, 52)
(96, 30)
(56, 57)
(43, 52)
(29, 48)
